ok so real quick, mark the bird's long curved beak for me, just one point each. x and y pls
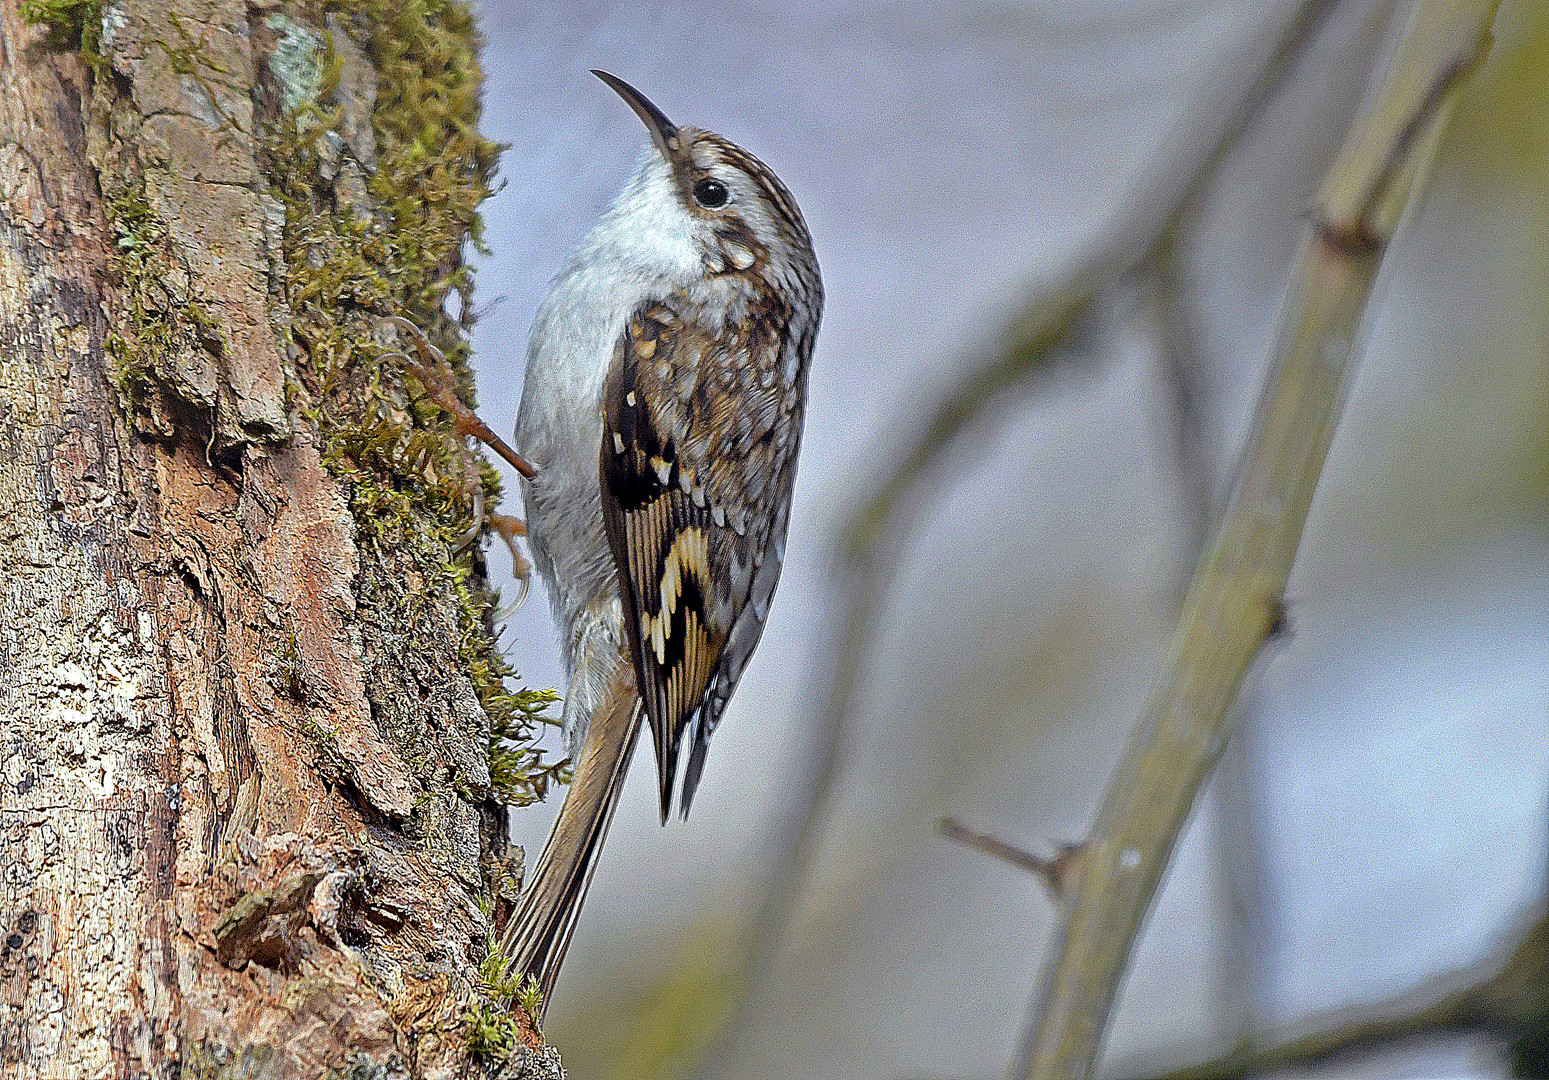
(664, 133)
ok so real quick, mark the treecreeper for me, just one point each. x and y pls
(661, 414)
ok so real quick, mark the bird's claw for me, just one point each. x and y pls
(429, 366)
(508, 529)
(435, 375)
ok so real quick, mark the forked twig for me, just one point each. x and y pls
(1053, 872)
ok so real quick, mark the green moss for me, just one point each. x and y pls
(70, 23)
(493, 1027)
(511, 770)
(492, 1033)
(415, 492)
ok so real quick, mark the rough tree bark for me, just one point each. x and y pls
(249, 705)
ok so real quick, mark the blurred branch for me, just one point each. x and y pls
(1509, 997)
(875, 531)
(1506, 994)
(1239, 859)
(1183, 362)
(1233, 603)
(1143, 230)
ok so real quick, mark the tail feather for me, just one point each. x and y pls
(539, 932)
(695, 766)
(666, 767)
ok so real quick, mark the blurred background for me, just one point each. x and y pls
(1379, 822)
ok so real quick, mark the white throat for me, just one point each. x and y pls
(646, 229)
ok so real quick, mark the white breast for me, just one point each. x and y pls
(642, 249)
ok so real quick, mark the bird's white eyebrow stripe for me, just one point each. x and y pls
(773, 189)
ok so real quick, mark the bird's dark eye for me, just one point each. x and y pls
(710, 193)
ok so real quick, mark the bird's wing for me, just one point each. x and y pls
(698, 457)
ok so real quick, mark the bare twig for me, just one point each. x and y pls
(1053, 872)
(1240, 872)
(1233, 603)
(1505, 994)
(1143, 227)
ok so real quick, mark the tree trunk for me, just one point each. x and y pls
(250, 700)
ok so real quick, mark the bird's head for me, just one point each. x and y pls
(702, 199)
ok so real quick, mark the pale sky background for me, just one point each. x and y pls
(1384, 817)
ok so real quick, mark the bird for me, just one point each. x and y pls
(662, 412)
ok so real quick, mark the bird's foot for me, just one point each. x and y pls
(435, 375)
(508, 529)
(433, 372)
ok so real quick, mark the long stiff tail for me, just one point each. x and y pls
(539, 933)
